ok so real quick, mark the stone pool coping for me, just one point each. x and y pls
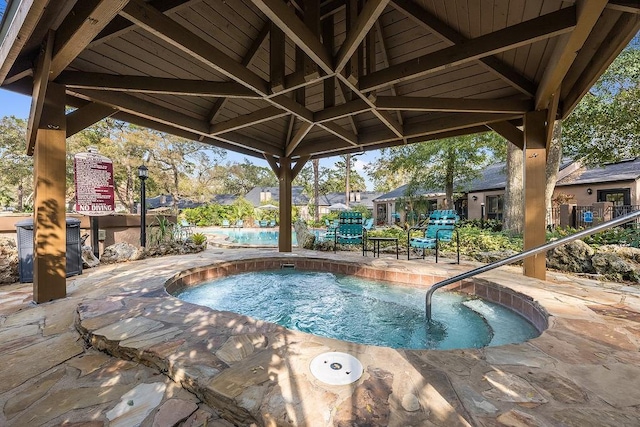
(580, 370)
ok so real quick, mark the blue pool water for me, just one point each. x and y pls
(249, 237)
(361, 310)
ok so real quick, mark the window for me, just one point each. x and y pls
(619, 196)
(494, 207)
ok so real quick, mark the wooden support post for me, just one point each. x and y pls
(49, 225)
(535, 159)
(285, 178)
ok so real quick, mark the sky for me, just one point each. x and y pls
(13, 104)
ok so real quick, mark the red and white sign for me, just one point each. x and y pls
(94, 184)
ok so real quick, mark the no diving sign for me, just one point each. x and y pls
(94, 184)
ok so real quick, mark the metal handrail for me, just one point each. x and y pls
(525, 254)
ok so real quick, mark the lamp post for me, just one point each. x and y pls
(143, 174)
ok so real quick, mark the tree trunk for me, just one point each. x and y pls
(513, 207)
(20, 196)
(348, 172)
(451, 161)
(554, 156)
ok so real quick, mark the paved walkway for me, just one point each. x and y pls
(118, 352)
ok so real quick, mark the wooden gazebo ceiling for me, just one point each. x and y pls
(306, 78)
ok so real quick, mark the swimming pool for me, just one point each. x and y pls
(254, 237)
(362, 310)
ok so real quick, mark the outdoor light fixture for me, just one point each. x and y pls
(589, 191)
(474, 198)
(143, 174)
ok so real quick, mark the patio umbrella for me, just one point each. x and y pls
(269, 207)
(338, 207)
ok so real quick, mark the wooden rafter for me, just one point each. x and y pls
(260, 116)
(367, 18)
(566, 50)
(144, 84)
(451, 36)
(276, 59)
(339, 111)
(40, 83)
(178, 36)
(623, 31)
(416, 103)
(527, 32)
(18, 32)
(246, 61)
(386, 63)
(86, 20)
(297, 138)
(285, 18)
(86, 116)
(119, 25)
(509, 132)
(146, 109)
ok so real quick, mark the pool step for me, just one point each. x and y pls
(287, 266)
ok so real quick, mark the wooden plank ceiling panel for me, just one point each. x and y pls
(272, 131)
(431, 85)
(125, 61)
(404, 39)
(209, 26)
(515, 13)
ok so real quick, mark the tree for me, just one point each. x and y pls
(242, 177)
(444, 164)
(175, 160)
(17, 166)
(605, 125)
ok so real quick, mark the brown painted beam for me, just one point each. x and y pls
(40, 83)
(298, 166)
(343, 110)
(386, 63)
(453, 122)
(276, 59)
(159, 85)
(509, 132)
(260, 116)
(18, 32)
(340, 132)
(146, 109)
(248, 58)
(621, 34)
(356, 34)
(86, 116)
(292, 106)
(566, 50)
(119, 25)
(525, 33)
(85, 21)
(297, 138)
(168, 30)
(451, 36)
(285, 18)
(416, 103)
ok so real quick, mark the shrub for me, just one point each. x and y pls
(198, 238)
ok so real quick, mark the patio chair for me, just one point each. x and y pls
(272, 223)
(239, 223)
(349, 230)
(438, 228)
(264, 223)
(225, 223)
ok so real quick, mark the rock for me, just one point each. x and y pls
(615, 268)
(174, 248)
(89, 260)
(8, 260)
(174, 411)
(121, 252)
(410, 402)
(306, 239)
(575, 257)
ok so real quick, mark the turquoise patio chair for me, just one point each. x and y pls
(440, 227)
(225, 223)
(239, 223)
(349, 230)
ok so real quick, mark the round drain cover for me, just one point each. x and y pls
(336, 368)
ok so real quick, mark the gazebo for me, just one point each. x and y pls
(294, 80)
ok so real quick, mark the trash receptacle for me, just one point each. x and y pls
(25, 249)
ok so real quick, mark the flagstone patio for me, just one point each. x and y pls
(118, 351)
